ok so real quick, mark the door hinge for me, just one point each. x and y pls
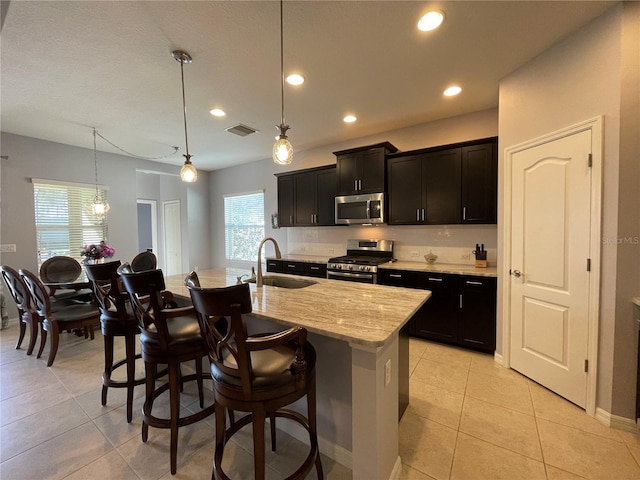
(588, 264)
(586, 365)
(590, 160)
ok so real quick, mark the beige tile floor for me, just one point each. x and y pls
(468, 419)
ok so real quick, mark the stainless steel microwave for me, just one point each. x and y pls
(359, 209)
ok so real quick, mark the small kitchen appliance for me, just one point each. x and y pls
(360, 264)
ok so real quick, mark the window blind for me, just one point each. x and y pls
(243, 225)
(64, 222)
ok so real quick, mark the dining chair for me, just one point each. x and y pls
(63, 270)
(22, 298)
(168, 336)
(144, 261)
(259, 375)
(76, 315)
(117, 320)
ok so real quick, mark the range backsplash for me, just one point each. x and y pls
(452, 244)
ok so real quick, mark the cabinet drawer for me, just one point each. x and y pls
(315, 270)
(293, 267)
(274, 266)
(397, 278)
(477, 283)
(435, 281)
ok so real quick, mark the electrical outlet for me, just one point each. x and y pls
(8, 248)
(387, 373)
(415, 254)
(464, 256)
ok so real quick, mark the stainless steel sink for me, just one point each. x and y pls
(286, 282)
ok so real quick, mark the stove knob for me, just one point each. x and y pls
(363, 268)
(368, 269)
(350, 267)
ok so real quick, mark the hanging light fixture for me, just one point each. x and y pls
(282, 149)
(188, 173)
(99, 207)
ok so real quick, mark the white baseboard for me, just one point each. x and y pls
(497, 358)
(615, 421)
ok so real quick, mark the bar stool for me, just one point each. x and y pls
(168, 336)
(259, 375)
(117, 320)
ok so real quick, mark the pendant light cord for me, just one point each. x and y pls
(175, 150)
(281, 64)
(95, 160)
(184, 111)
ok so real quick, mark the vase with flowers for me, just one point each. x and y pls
(96, 253)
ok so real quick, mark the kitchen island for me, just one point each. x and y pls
(356, 329)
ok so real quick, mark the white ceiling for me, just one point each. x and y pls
(68, 66)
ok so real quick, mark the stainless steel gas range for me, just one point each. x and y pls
(360, 264)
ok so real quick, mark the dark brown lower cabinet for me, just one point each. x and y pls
(309, 269)
(461, 310)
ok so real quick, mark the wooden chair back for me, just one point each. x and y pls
(107, 289)
(60, 269)
(144, 261)
(18, 290)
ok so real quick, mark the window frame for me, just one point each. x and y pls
(70, 217)
(252, 251)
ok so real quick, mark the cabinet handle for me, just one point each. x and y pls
(469, 282)
(423, 214)
(460, 300)
(395, 275)
(359, 184)
(417, 214)
(431, 279)
(464, 213)
(291, 219)
(314, 268)
(291, 266)
(355, 185)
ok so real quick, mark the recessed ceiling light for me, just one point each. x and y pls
(295, 79)
(217, 112)
(452, 91)
(350, 119)
(431, 20)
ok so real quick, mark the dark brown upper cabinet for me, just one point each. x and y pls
(362, 169)
(444, 185)
(307, 197)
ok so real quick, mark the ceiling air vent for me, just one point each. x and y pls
(241, 130)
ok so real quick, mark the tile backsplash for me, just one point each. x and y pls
(451, 243)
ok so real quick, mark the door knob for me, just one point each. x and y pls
(515, 273)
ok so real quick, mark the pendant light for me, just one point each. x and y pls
(188, 173)
(99, 207)
(282, 149)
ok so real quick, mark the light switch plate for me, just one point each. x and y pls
(8, 248)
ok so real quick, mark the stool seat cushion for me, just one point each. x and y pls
(184, 329)
(79, 311)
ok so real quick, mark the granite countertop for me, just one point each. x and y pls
(453, 268)
(354, 312)
(301, 258)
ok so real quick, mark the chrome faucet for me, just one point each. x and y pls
(278, 255)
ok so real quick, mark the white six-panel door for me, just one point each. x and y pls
(550, 250)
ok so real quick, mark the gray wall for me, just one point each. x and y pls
(594, 72)
(331, 241)
(33, 158)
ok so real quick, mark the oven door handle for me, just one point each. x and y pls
(350, 274)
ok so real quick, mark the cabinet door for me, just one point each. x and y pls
(442, 177)
(326, 184)
(477, 319)
(285, 201)
(348, 174)
(305, 199)
(372, 171)
(438, 317)
(479, 183)
(405, 193)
